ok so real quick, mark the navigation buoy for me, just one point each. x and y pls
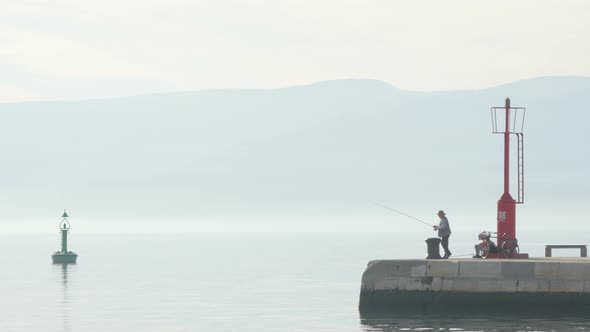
(64, 256)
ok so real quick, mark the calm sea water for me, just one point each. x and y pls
(220, 282)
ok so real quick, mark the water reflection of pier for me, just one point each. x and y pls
(383, 322)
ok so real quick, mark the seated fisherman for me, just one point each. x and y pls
(485, 246)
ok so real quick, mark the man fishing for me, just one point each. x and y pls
(444, 232)
(443, 228)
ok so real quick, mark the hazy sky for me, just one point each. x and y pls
(78, 49)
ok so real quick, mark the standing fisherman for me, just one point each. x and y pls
(444, 232)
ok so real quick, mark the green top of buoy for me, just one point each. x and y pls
(65, 215)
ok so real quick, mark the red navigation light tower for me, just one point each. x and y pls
(513, 120)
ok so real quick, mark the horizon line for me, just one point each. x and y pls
(296, 86)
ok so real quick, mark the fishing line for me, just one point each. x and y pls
(403, 214)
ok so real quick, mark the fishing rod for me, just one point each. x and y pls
(403, 214)
(465, 255)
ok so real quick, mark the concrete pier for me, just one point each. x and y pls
(477, 285)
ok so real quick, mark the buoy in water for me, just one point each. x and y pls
(64, 256)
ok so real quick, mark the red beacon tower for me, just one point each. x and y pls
(508, 120)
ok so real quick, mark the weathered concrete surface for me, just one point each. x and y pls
(476, 285)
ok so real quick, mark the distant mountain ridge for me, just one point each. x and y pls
(321, 150)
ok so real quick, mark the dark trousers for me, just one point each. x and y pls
(445, 245)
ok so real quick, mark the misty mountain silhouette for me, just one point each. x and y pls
(317, 149)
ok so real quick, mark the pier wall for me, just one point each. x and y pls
(476, 284)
